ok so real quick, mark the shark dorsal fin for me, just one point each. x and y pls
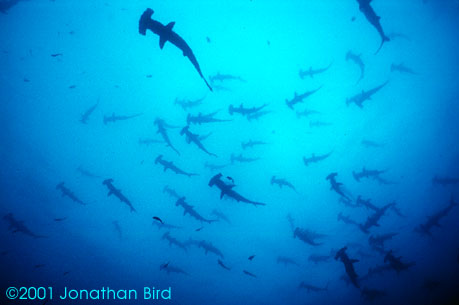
(163, 38)
(170, 25)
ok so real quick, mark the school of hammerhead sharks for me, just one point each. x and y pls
(227, 188)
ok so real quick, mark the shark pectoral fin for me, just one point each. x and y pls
(222, 194)
(162, 41)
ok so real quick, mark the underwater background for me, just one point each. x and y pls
(63, 59)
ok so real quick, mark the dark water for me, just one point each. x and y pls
(61, 58)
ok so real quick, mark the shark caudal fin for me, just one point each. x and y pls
(384, 39)
(208, 86)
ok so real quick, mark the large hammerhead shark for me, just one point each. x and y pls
(165, 34)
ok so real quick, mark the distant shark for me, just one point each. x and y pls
(170, 165)
(311, 72)
(165, 34)
(434, 220)
(189, 209)
(114, 191)
(298, 98)
(67, 192)
(19, 226)
(161, 126)
(185, 104)
(357, 59)
(194, 138)
(364, 96)
(87, 113)
(223, 77)
(113, 118)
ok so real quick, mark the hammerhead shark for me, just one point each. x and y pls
(194, 138)
(113, 118)
(311, 72)
(376, 242)
(251, 144)
(286, 261)
(185, 104)
(357, 59)
(298, 98)
(348, 265)
(370, 14)
(149, 141)
(214, 167)
(245, 111)
(241, 159)
(306, 113)
(204, 118)
(434, 220)
(208, 247)
(171, 192)
(169, 165)
(165, 34)
(346, 219)
(223, 265)
(19, 226)
(161, 126)
(174, 241)
(396, 262)
(189, 209)
(360, 98)
(336, 186)
(257, 115)
(315, 159)
(372, 221)
(223, 77)
(67, 192)
(87, 113)
(86, 173)
(114, 191)
(307, 236)
(281, 182)
(402, 69)
(367, 173)
(220, 215)
(227, 189)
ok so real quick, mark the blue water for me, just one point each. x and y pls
(100, 58)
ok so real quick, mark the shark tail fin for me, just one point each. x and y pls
(384, 39)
